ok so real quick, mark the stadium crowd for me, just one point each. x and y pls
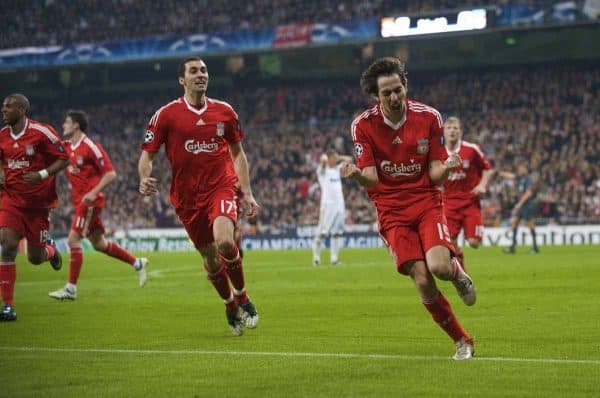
(547, 115)
(60, 22)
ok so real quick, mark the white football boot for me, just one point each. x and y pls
(140, 269)
(464, 350)
(64, 294)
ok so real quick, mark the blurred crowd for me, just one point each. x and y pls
(547, 115)
(60, 22)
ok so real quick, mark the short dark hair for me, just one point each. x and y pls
(331, 151)
(181, 69)
(386, 66)
(79, 117)
(20, 100)
(454, 119)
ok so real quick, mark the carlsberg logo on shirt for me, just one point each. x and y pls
(196, 147)
(15, 164)
(397, 170)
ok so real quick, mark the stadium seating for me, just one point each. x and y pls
(544, 114)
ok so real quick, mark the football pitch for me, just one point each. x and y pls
(355, 330)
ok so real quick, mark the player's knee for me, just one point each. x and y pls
(99, 245)
(9, 251)
(224, 245)
(441, 268)
(35, 258)
(474, 243)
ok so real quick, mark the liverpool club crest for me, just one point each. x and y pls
(220, 129)
(29, 151)
(422, 146)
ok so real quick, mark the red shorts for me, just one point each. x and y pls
(467, 218)
(87, 220)
(411, 242)
(198, 222)
(31, 223)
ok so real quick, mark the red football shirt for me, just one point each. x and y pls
(88, 162)
(461, 181)
(401, 153)
(33, 149)
(197, 146)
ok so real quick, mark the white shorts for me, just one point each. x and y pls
(331, 221)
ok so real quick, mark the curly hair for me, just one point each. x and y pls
(386, 66)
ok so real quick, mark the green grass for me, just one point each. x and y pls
(318, 327)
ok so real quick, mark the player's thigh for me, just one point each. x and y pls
(223, 214)
(404, 246)
(331, 222)
(455, 222)
(527, 211)
(223, 231)
(433, 229)
(37, 224)
(197, 226)
(86, 220)
(12, 225)
(473, 224)
(337, 227)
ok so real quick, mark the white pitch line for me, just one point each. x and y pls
(333, 355)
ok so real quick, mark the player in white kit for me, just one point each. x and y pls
(332, 212)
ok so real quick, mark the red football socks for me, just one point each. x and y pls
(221, 283)
(442, 314)
(233, 264)
(8, 275)
(116, 251)
(75, 264)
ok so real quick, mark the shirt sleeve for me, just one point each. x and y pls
(363, 152)
(482, 160)
(156, 131)
(53, 145)
(233, 129)
(103, 163)
(436, 140)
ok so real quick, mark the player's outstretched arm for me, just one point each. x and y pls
(34, 177)
(366, 177)
(240, 162)
(323, 161)
(148, 185)
(507, 174)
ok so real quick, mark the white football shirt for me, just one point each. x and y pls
(330, 181)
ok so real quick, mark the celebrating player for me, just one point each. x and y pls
(398, 150)
(89, 172)
(332, 211)
(31, 154)
(464, 187)
(202, 137)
